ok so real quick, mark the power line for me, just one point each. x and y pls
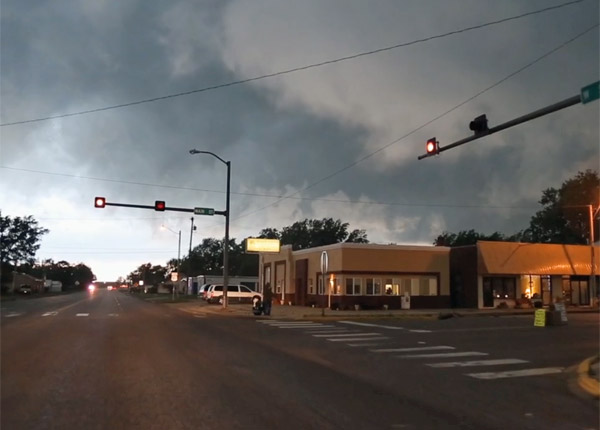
(296, 69)
(271, 196)
(369, 155)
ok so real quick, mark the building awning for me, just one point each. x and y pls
(514, 258)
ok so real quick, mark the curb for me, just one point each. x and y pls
(585, 381)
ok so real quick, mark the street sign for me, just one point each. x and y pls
(590, 92)
(204, 211)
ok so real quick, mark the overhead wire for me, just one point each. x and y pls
(295, 69)
(429, 122)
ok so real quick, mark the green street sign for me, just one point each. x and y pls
(204, 211)
(590, 92)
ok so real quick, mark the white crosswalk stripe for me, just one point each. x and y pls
(346, 334)
(517, 373)
(356, 339)
(497, 362)
(444, 355)
(415, 349)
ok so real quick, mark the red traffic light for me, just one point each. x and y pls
(99, 202)
(432, 146)
(159, 205)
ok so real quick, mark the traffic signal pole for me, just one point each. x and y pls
(528, 117)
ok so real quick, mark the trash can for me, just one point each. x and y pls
(405, 301)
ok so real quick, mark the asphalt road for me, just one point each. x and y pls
(112, 361)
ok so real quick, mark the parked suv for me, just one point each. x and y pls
(235, 294)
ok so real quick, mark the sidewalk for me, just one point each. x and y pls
(300, 312)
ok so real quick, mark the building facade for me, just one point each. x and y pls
(484, 275)
(490, 273)
(359, 275)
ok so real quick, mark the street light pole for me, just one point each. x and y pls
(227, 213)
(178, 253)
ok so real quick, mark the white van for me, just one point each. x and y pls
(235, 294)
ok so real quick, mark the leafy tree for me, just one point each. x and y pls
(20, 239)
(564, 217)
(207, 259)
(466, 237)
(151, 275)
(314, 232)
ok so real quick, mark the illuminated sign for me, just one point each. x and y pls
(262, 245)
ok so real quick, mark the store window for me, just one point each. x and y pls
(502, 287)
(373, 286)
(353, 286)
(392, 287)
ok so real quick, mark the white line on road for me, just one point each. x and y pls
(420, 348)
(363, 344)
(12, 314)
(444, 354)
(346, 334)
(113, 315)
(301, 326)
(328, 330)
(275, 322)
(357, 339)
(50, 314)
(478, 363)
(372, 325)
(420, 331)
(82, 315)
(517, 373)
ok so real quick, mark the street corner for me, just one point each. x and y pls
(587, 377)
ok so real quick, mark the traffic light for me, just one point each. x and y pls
(159, 205)
(99, 202)
(479, 124)
(432, 147)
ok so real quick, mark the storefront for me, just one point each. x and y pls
(488, 274)
(359, 275)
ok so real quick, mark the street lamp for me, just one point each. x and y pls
(164, 227)
(226, 245)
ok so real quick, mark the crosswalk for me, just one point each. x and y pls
(359, 334)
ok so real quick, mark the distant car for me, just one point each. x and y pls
(235, 294)
(25, 289)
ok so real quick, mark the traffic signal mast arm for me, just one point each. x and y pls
(167, 208)
(528, 117)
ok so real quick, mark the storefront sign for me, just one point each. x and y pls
(540, 318)
(262, 245)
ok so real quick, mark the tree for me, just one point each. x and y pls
(564, 217)
(314, 232)
(20, 239)
(466, 237)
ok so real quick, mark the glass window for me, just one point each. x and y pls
(373, 287)
(232, 289)
(353, 286)
(245, 289)
(503, 288)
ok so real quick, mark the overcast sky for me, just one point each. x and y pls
(342, 139)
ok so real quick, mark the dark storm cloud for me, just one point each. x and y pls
(288, 133)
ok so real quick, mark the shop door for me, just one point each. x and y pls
(301, 280)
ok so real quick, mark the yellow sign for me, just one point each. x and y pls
(262, 245)
(540, 318)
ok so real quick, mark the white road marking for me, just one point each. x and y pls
(82, 315)
(420, 331)
(113, 315)
(300, 326)
(346, 334)
(363, 344)
(50, 314)
(317, 330)
(12, 314)
(275, 322)
(372, 325)
(444, 354)
(478, 363)
(357, 339)
(422, 343)
(420, 348)
(517, 373)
